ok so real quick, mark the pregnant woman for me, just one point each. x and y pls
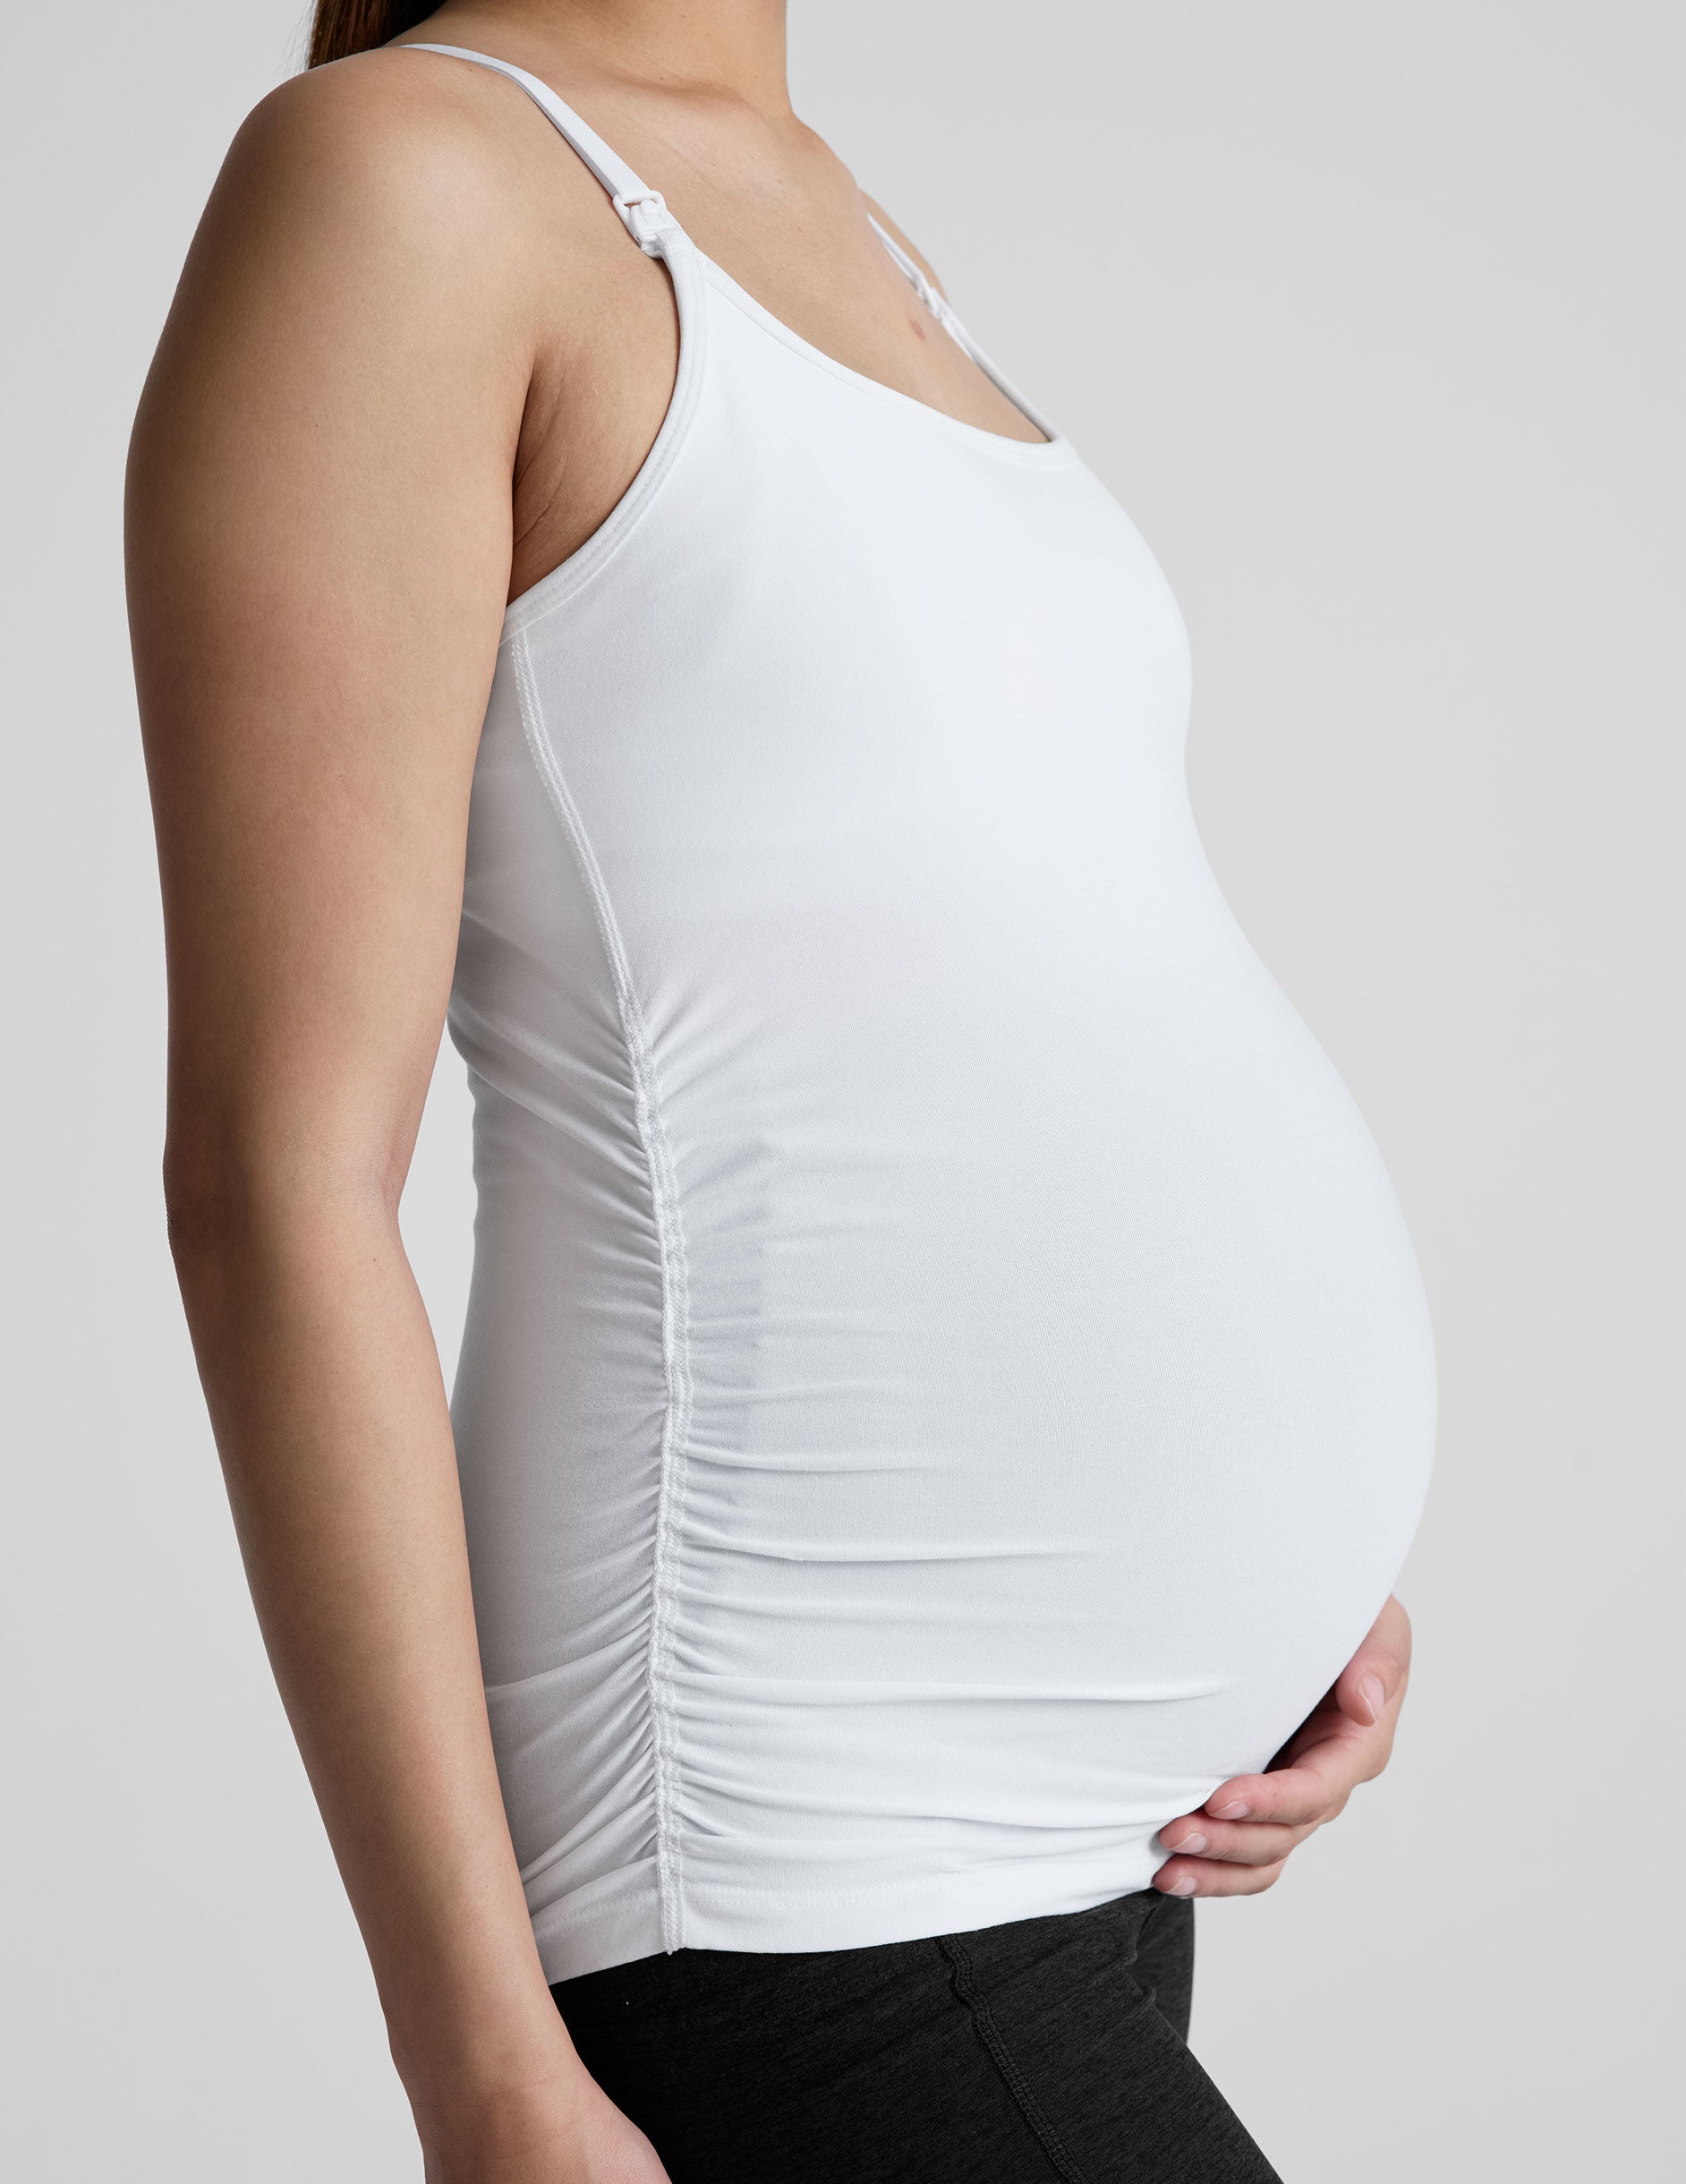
(947, 1388)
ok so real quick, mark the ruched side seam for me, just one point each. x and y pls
(675, 1310)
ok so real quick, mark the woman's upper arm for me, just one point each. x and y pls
(318, 544)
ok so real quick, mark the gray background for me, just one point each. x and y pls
(1373, 317)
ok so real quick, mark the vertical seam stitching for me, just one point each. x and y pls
(964, 1978)
(675, 1310)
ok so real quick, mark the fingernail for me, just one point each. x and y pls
(1237, 1809)
(1185, 1884)
(1375, 1695)
(1191, 1846)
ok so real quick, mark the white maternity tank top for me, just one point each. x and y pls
(946, 1381)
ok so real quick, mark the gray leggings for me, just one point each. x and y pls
(1047, 2048)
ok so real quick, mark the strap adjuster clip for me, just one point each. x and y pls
(646, 217)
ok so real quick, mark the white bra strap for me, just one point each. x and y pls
(644, 210)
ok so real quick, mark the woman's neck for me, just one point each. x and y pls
(735, 47)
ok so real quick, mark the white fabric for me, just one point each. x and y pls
(946, 1381)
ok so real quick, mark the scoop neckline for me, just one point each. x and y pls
(610, 170)
(1055, 445)
(693, 274)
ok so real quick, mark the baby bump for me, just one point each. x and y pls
(1057, 1414)
(1082, 1408)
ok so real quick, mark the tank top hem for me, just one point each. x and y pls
(591, 1932)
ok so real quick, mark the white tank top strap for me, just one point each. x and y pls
(936, 304)
(642, 209)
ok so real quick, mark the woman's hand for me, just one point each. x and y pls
(569, 2132)
(1239, 1842)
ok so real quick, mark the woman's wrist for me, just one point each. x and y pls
(490, 2082)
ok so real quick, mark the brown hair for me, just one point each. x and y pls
(339, 27)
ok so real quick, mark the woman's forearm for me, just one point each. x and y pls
(324, 1388)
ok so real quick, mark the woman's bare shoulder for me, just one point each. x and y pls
(396, 153)
(380, 223)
